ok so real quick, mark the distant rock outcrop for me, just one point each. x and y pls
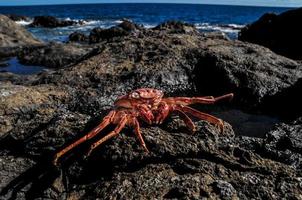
(129, 26)
(51, 22)
(15, 17)
(281, 33)
(176, 27)
(78, 37)
(123, 29)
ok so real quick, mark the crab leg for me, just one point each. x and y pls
(202, 116)
(226, 96)
(113, 133)
(193, 100)
(106, 121)
(186, 119)
(138, 133)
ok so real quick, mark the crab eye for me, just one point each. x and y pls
(135, 95)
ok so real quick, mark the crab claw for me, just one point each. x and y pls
(146, 114)
(162, 112)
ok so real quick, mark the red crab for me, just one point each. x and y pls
(148, 105)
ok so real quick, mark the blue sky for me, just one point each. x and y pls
(282, 3)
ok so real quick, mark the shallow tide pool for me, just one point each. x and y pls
(15, 67)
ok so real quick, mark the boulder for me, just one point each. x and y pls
(78, 37)
(125, 28)
(50, 22)
(13, 37)
(98, 34)
(254, 73)
(129, 26)
(280, 33)
(177, 27)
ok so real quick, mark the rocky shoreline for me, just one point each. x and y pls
(39, 114)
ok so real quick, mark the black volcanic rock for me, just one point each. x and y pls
(252, 72)
(129, 26)
(15, 17)
(281, 33)
(52, 55)
(210, 65)
(125, 28)
(287, 102)
(41, 114)
(99, 34)
(50, 22)
(78, 37)
(176, 27)
(284, 143)
(206, 164)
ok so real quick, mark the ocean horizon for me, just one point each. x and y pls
(66, 4)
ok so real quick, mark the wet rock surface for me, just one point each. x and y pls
(40, 114)
(280, 33)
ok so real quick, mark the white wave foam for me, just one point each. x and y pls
(236, 26)
(149, 25)
(118, 21)
(23, 22)
(227, 28)
(88, 22)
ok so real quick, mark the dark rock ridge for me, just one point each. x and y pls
(125, 28)
(40, 114)
(253, 72)
(78, 37)
(53, 55)
(176, 27)
(129, 26)
(15, 17)
(13, 37)
(98, 35)
(280, 33)
(51, 22)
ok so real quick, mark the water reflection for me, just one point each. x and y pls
(12, 65)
